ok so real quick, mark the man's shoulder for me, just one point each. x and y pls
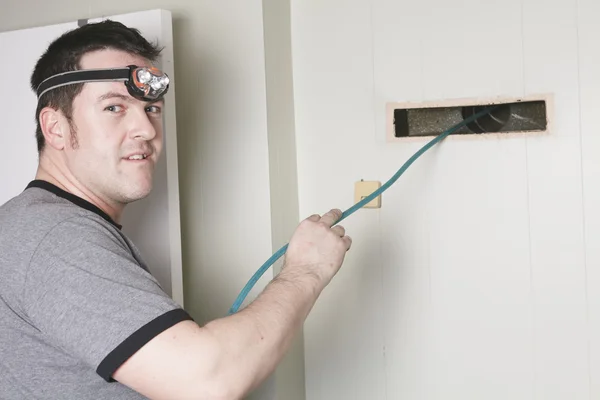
(37, 225)
(37, 221)
(36, 210)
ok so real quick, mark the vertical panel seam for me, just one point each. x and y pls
(583, 227)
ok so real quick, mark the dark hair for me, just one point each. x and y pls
(65, 53)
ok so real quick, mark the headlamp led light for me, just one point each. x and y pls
(144, 83)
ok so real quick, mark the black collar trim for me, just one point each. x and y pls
(72, 198)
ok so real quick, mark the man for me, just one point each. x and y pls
(80, 315)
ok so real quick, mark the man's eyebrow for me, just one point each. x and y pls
(114, 95)
(129, 99)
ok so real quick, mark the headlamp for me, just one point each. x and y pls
(144, 83)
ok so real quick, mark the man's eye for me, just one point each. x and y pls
(153, 109)
(114, 108)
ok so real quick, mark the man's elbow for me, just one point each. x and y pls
(217, 391)
(223, 381)
(220, 385)
(193, 382)
(186, 362)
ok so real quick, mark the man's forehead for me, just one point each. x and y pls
(110, 58)
(99, 90)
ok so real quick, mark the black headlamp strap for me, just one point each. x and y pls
(81, 76)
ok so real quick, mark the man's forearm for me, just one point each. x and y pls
(256, 338)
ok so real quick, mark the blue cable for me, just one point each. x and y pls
(240, 299)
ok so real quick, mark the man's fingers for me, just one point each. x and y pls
(331, 217)
(339, 230)
(314, 218)
(348, 241)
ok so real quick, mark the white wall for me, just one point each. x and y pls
(479, 278)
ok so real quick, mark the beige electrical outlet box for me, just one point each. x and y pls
(363, 189)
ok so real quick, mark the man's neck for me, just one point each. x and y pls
(69, 184)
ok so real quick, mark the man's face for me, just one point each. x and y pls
(112, 130)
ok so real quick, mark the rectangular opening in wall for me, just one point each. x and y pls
(510, 116)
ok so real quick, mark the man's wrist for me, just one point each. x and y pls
(304, 280)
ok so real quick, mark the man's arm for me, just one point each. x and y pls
(230, 356)
(226, 358)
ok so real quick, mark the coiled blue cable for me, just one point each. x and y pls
(242, 296)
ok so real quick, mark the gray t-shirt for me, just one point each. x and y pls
(76, 299)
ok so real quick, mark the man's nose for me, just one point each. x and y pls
(141, 126)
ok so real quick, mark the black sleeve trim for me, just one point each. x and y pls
(137, 340)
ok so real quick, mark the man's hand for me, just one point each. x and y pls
(317, 248)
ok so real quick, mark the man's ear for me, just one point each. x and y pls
(53, 124)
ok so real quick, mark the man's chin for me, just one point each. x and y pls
(131, 195)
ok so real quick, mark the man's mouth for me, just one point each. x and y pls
(137, 156)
